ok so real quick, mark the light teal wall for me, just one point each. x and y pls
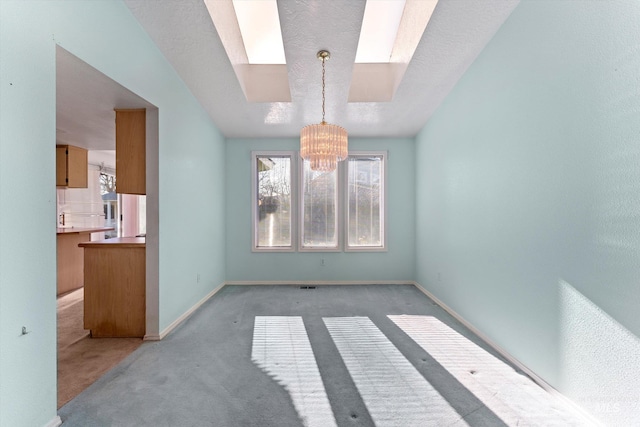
(191, 189)
(395, 264)
(528, 198)
(192, 222)
(27, 236)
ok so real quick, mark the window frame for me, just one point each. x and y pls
(293, 156)
(383, 202)
(297, 205)
(338, 207)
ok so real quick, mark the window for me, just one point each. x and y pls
(272, 202)
(319, 195)
(110, 203)
(365, 202)
(349, 201)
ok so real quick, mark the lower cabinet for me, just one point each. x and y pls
(70, 261)
(114, 287)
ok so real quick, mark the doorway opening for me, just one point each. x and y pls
(86, 100)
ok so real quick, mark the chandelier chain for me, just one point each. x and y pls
(323, 90)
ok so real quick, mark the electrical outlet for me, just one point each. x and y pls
(198, 278)
(439, 277)
(322, 262)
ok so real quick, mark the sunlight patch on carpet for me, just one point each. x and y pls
(282, 349)
(512, 396)
(393, 390)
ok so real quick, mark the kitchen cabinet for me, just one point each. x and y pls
(114, 287)
(71, 166)
(130, 151)
(70, 258)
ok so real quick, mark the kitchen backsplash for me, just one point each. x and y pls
(82, 207)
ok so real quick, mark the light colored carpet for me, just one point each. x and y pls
(82, 359)
(346, 356)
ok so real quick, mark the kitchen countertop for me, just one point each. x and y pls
(80, 230)
(120, 242)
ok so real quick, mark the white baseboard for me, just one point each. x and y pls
(538, 380)
(54, 422)
(175, 323)
(320, 282)
(184, 316)
(151, 337)
(486, 339)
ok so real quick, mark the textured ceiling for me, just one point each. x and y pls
(456, 34)
(85, 100)
(183, 31)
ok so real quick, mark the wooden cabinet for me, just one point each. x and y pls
(70, 261)
(130, 151)
(71, 166)
(114, 287)
(70, 257)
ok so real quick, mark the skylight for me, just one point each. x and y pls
(252, 37)
(379, 30)
(390, 33)
(260, 28)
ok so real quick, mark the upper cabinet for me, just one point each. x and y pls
(130, 151)
(71, 166)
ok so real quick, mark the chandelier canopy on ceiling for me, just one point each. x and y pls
(323, 144)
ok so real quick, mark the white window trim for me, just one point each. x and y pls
(383, 214)
(297, 216)
(339, 207)
(254, 197)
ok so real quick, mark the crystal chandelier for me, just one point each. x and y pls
(324, 144)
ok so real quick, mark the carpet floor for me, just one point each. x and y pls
(345, 356)
(82, 359)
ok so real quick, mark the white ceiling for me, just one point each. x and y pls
(184, 32)
(85, 103)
